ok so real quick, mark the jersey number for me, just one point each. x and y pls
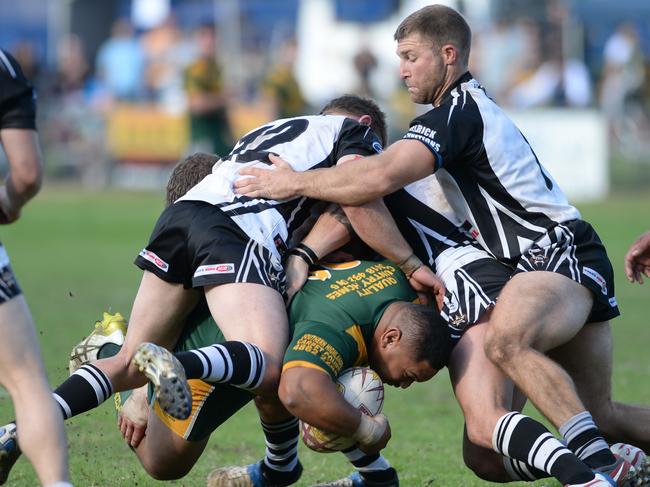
(255, 145)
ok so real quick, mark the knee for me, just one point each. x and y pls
(478, 432)
(485, 464)
(166, 470)
(500, 347)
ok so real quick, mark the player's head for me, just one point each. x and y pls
(411, 346)
(432, 43)
(362, 109)
(188, 173)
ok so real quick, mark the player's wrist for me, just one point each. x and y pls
(370, 430)
(409, 265)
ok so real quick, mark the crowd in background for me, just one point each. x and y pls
(523, 61)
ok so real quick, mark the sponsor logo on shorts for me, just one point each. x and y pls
(154, 259)
(595, 276)
(206, 270)
(613, 303)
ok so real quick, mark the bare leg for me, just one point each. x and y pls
(23, 375)
(158, 309)
(484, 395)
(538, 311)
(588, 359)
(256, 314)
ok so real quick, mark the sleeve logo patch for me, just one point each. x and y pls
(154, 259)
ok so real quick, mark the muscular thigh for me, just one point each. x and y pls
(158, 313)
(251, 312)
(540, 309)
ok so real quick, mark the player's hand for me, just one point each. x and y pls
(8, 212)
(637, 259)
(132, 418)
(275, 183)
(296, 270)
(376, 434)
(423, 281)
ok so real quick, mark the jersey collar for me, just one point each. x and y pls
(463, 78)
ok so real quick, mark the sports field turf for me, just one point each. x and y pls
(73, 252)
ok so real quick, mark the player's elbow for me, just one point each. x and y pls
(27, 174)
(292, 394)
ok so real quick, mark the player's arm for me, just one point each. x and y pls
(25, 171)
(330, 232)
(375, 226)
(311, 395)
(637, 259)
(367, 179)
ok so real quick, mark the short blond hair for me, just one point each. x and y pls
(440, 24)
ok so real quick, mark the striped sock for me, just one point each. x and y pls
(519, 470)
(281, 459)
(84, 390)
(585, 440)
(374, 469)
(528, 441)
(239, 364)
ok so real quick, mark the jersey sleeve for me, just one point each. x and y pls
(355, 138)
(322, 347)
(452, 134)
(17, 96)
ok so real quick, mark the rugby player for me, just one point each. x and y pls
(637, 259)
(22, 371)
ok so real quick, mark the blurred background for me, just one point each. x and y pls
(127, 87)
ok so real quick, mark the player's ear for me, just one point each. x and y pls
(365, 120)
(391, 337)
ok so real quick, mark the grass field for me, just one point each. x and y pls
(73, 252)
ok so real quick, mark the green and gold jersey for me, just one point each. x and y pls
(335, 314)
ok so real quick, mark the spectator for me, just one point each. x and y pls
(120, 63)
(280, 89)
(623, 71)
(207, 97)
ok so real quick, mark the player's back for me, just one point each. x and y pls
(310, 142)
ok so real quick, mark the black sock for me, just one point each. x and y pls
(280, 465)
(374, 469)
(84, 390)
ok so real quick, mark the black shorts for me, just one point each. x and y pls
(574, 250)
(9, 287)
(473, 279)
(195, 244)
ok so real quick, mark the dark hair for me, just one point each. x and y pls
(358, 106)
(442, 25)
(188, 173)
(427, 334)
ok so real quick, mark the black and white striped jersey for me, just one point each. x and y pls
(488, 172)
(425, 219)
(308, 143)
